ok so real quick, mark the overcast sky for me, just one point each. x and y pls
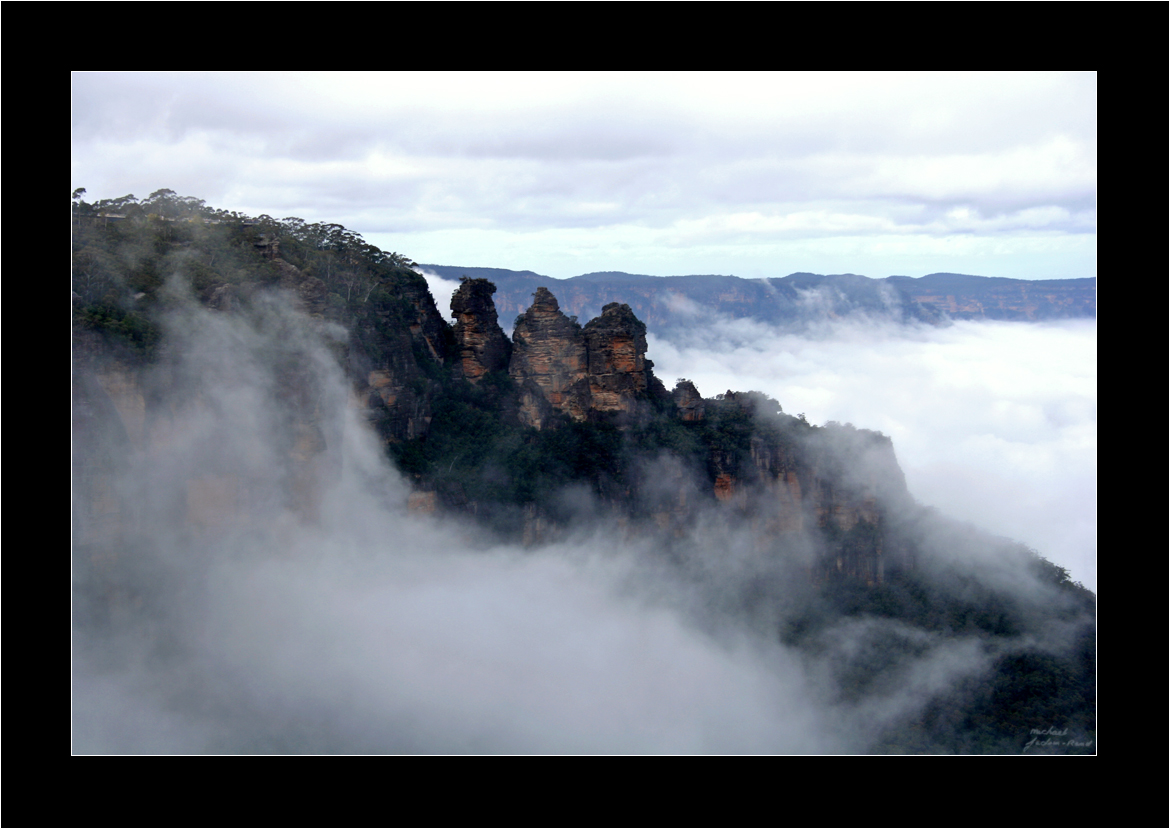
(562, 174)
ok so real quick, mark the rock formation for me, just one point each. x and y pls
(619, 373)
(398, 329)
(142, 431)
(776, 477)
(534, 408)
(601, 368)
(548, 349)
(483, 345)
(689, 402)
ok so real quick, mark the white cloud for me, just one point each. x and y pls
(441, 289)
(993, 423)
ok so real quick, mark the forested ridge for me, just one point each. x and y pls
(657, 467)
(124, 249)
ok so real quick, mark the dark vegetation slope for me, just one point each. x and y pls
(874, 598)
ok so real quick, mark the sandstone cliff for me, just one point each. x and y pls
(483, 345)
(689, 402)
(601, 368)
(620, 376)
(838, 483)
(549, 353)
(396, 338)
(961, 296)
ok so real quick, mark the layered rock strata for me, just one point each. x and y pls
(790, 482)
(599, 368)
(548, 352)
(619, 373)
(689, 402)
(483, 345)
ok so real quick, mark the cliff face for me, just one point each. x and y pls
(855, 490)
(774, 476)
(549, 355)
(689, 402)
(398, 332)
(619, 373)
(109, 416)
(482, 344)
(836, 483)
(961, 296)
(601, 368)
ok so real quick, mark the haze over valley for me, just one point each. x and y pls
(994, 422)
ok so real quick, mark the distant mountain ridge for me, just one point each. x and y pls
(666, 302)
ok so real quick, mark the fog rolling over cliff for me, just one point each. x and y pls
(248, 578)
(271, 593)
(993, 421)
(311, 515)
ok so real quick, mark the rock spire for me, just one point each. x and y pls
(483, 345)
(549, 350)
(599, 368)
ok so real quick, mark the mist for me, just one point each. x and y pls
(259, 586)
(994, 423)
(442, 290)
(316, 614)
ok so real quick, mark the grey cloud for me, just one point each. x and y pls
(168, 106)
(564, 153)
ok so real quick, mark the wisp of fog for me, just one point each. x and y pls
(265, 588)
(993, 422)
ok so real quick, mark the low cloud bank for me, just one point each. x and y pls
(993, 423)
